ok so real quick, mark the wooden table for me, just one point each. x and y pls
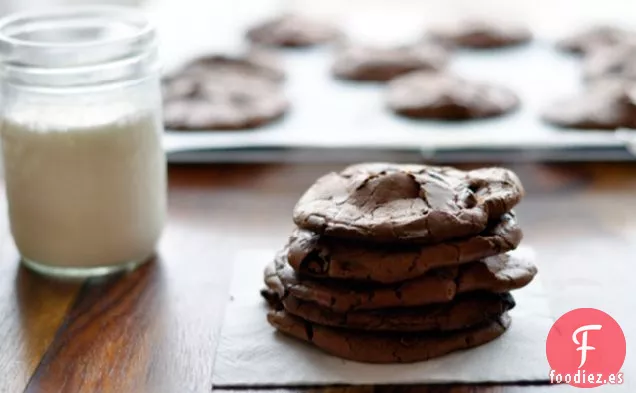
(154, 330)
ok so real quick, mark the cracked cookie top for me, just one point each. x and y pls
(604, 105)
(482, 34)
(444, 96)
(383, 202)
(291, 30)
(224, 93)
(377, 63)
(615, 62)
(595, 37)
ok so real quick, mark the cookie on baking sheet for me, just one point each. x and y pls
(616, 62)
(463, 312)
(604, 105)
(482, 34)
(596, 37)
(256, 63)
(443, 96)
(380, 202)
(376, 63)
(292, 30)
(373, 347)
(223, 93)
(500, 273)
(318, 256)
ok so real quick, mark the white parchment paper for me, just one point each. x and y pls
(252, 353)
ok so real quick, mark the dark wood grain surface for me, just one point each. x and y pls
(156, 329)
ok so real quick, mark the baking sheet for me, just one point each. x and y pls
(332, 115)
(251, 353)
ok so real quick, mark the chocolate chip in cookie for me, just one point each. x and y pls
(378, 347)
(377, 63)
(223, 93)
(442, 96)
(292, 30)
(604, 105)
(384, 203)
(481, 34)
(319, 256)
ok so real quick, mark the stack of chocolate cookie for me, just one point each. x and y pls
(400, 263)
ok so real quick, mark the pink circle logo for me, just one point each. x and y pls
(586, 348)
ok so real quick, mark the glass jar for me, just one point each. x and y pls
(81, 129)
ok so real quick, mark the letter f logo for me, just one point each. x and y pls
(584, 347)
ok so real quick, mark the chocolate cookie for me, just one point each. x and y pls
(426, 95)
(605, 105)
(461, 313)
(256, 63)
(437, 286)
(383, 202)
(500, 273)
(253, 65)
(387, 347)
(482, 34)
(324, 257)
(293, 31)
(368, 63)
(222, 93)
(219, 93)
(616, 62)
(593, 38)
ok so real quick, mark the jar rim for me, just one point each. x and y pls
(77, 45)
(124, 14)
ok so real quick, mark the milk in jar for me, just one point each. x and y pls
(81, 128)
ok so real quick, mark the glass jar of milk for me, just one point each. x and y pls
(81, 128)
